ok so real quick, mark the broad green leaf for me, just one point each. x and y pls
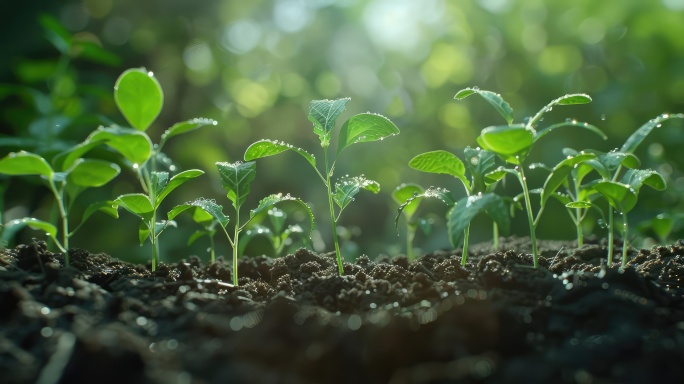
(176, 181)
(364, 128)
(185, 127)
(636, 178)
(403, 193)
(93, 173)
(479, 162)
(139, 97)
(640, 134)
(621, 196)
(137, 204)
(263, 148)
(25, 163)
(512, 142)
(572, 99)
(492, 98)
(134, 145)
(208, 206)
(460, 216)
(274, 199)
(560, 173)
(109, 207)
(66, 159)
(347, 187)
(323, 114)
(441, 162)
(36, 224)
(572, 123)
(236, 179)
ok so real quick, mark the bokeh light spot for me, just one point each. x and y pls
(328, 85)
(559, 59)
(241, 36)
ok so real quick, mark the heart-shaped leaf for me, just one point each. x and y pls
(441, 162)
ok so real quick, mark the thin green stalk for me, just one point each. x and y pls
(464, 255)
(625, 240)
(235, 246)
(333, 220)
(610, 235)
(212, 251)
(578, 222)
(533, 236)
(64, 247)
(495, 236)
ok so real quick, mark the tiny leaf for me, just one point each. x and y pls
(139, 97)
(460, 216)
(36, 224)
(185, 127)
(236, 179)
(405, 192)
(492, 98)
(441, 162)
(363, 128)
(323, 114)
(274, 199)
(176, 181)
(347, 187)
(264, 148)
(577, 98)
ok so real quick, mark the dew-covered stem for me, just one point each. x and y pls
(625, 240)
(528, 206)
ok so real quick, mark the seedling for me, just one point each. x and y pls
(277, 234)
(513, 143)
(236, 179)
(401, 195)
(478, 196)
(361, 128)
(66, 184)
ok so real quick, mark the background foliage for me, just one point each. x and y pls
(255, 65)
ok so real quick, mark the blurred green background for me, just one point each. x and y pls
(255, 65)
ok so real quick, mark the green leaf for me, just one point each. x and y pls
(403, 193)
(636, 178)
(185, 127)
(460, 216)
(236, 179)
(208, 206)
(143, 232)
(441, 162)
(579, 204)
(93, 173)
(572, 99)
(364, 128)
(323, 114)
(499, 174)
(571, 123)
(25, 163)
(479, 162)
(139, 97)
(109, 207)
(175, 182)
(137, 204)
(264, 148)
(158, 180)
(274, 199)
(94, 52)
(201, 216)
(640, 134)
(510, 142)
(347, 187)
(36, 224)
(492, 98)
(560, 173)
(432, 193)
(621, 196)
(134, 145)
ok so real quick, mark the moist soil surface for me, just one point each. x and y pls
(295, 320)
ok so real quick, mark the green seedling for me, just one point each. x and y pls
(145, 206)
(513, 142)
(361, 128)
(277, 234)
(479, 197)
(236, 179)
(401, 195)
(65, 183)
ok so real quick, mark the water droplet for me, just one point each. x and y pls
(603, 116)
(135, 166)
(150, 74)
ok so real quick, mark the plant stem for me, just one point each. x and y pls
(410, 234)
(64, 247)
(495, 236)
(625, 240)
(610, 235)
(533, 236)
(338, 254)
(212, 249)
(464, 254)
(235, 245)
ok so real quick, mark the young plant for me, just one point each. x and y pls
(277, 234)
(361, 128)
(139, 97)
(401, 195)
(236, 179)
(479, 197)
(66, 183)
(513, 142)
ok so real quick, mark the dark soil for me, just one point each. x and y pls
(294, 320)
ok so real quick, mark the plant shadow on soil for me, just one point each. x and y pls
(294, 320)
